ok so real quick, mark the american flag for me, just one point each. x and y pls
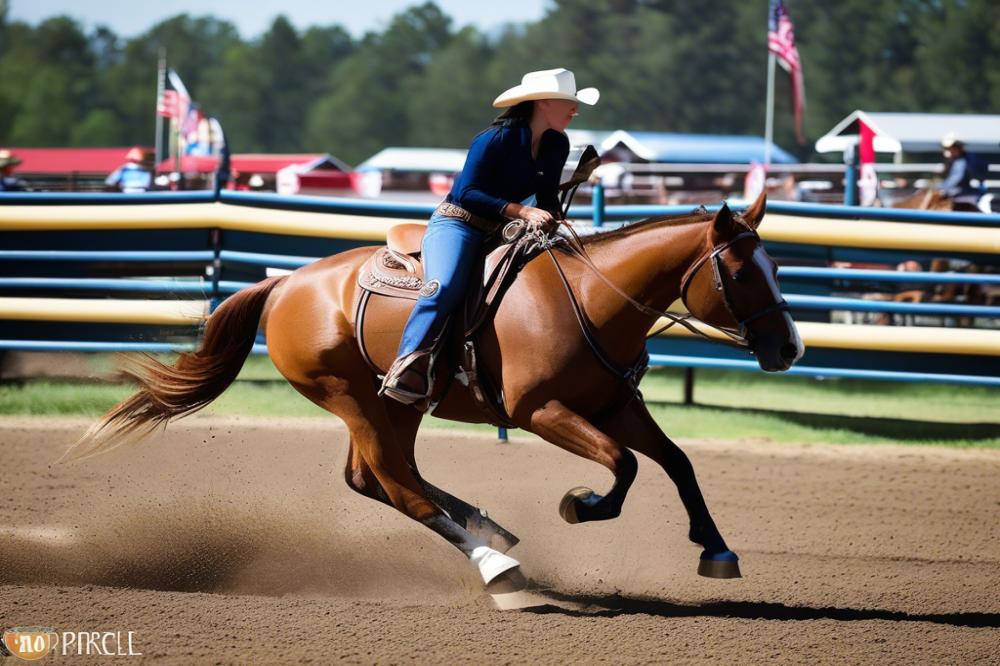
(781, 42)
(174, 101)
(167, 105)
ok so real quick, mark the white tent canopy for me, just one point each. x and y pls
(915, 132)
(665, 147)
(444, 160)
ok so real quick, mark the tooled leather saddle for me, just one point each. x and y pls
(396, 271)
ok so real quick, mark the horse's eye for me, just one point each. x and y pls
(740, 276)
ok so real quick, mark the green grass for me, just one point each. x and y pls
(730, 405)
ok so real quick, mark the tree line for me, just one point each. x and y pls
(663, 65)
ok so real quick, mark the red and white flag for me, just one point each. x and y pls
(174, 101)
(781, 42)
(867, 178)
(166, 106)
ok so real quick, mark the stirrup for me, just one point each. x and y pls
(394, 386)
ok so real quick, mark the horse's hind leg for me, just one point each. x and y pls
(406, 422)
(556, 423)
(351, 395)
(636, 425)
(361, 479)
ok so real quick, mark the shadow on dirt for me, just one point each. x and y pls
(617, 605)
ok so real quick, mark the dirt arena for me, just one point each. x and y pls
(236, 540)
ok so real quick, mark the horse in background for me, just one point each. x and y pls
(931, 199)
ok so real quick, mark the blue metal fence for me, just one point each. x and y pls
(423, 211)
(215, 259)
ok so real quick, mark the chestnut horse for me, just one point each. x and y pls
(553, 384)
(928, 199)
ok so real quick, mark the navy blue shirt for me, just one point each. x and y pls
(962, 170)
(499, 170)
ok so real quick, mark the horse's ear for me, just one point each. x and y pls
(724, 226)
(755, 213)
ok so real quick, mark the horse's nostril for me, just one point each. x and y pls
(789, 352)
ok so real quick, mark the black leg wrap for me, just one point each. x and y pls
(471, 518)
(453, 533)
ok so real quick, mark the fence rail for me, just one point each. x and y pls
(237, 235)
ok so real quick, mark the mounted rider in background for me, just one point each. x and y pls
(965, 183)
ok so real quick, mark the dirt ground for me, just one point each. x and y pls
(236, 541)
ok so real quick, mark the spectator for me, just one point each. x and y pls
(133, 176)
(8, 183)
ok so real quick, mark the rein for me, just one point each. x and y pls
(631, 375)
(737, 337)
(533, 237)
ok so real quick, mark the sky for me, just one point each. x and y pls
(131, 17)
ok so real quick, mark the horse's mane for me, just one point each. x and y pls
(683, 219)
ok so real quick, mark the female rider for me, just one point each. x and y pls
(519, 156)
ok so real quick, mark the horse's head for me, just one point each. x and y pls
(735, 285)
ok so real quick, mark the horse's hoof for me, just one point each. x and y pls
(492, 564)
(511, 580)
(567, 507)
(723, 564)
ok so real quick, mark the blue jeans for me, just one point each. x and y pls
(451, 249)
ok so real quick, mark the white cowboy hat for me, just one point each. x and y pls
(556, 83)
(8, 158)
(949, 140)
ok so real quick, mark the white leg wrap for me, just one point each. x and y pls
(492, 563)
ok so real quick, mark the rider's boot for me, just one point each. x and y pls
(409, 378)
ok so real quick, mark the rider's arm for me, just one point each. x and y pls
(486, 151)
(952, 185)
(556, 152)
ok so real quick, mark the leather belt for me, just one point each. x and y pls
(446, 209)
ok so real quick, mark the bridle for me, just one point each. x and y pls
(631, 375)
(713, 258)
(738, 336)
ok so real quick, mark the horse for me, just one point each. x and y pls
(554, 383)
(930, 199)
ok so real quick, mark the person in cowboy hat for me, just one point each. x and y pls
(962, 168)
(8, 183)
(511, 171)
(133, 176)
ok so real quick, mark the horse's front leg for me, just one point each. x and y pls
(634, 425)
(556, 423)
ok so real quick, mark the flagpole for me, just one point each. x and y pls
(769, 117)
(161, 74)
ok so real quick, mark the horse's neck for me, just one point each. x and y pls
(647, 264)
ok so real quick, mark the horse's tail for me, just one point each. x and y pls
(197, 378)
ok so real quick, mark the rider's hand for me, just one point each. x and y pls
(536, 215)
